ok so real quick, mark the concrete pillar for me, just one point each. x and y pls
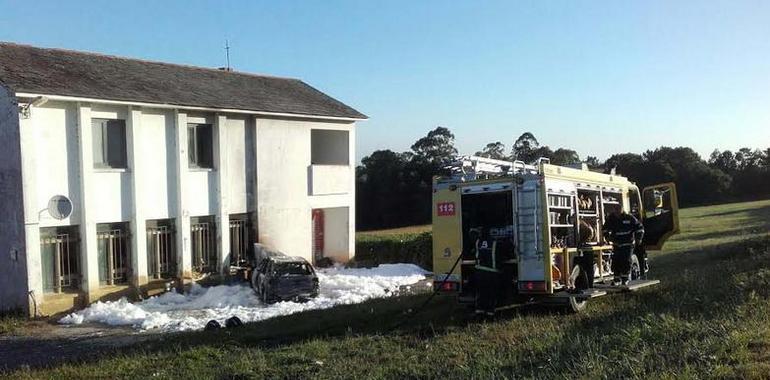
(89, 262)
(28, 138)
(352, 194)
(137, 169)
(223, 219)
(184, 255)
(254, 201)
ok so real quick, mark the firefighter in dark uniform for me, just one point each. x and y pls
(623, 230)
(487, 273)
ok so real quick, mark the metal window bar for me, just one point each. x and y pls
(116, 251)
(161, 252)
(203, 247)
(239, 240)
(65, 274)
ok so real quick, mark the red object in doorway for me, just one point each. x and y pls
(318, 234)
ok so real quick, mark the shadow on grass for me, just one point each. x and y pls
(759, 217)
(761, 212)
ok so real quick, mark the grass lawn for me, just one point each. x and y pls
(11, 322)
(708, 318)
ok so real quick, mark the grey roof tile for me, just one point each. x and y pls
(70, 73)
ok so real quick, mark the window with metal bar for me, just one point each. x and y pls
(60, 253)
(114, 253)
(161, 249)
(241, 238)
(204, 248)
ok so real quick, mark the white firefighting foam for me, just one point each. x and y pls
(191, 311)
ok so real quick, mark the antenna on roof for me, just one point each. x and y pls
(227, 54)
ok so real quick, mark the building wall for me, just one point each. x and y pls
(55, 130)
(261, 166)
(157, 152)
(13, 263)
(240, 164)
(285, 197)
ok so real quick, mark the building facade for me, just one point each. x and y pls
(118, 176)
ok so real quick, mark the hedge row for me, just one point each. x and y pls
(389, 249)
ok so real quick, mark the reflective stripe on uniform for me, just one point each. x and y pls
(493, 252)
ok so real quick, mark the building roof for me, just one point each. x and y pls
(29, 69)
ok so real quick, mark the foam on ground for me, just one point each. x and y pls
(191, 311)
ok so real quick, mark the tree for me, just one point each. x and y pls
(436, 148)
(381, 188)
(524, 147)
(593, 162)
(724, 161)
(494, 150)
(747, 159)
(622, 162)
(563, 156)
(698, 183)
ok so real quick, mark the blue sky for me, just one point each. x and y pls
(597, 76)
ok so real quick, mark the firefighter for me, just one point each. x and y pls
(623, 230)
(487, 273)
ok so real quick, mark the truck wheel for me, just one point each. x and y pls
(636, 269)
(577, 305)
(579, 279)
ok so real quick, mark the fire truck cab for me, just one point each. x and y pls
(547, 220)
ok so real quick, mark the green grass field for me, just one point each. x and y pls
(710, 317)
(10, 322)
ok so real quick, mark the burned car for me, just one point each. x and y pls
(277, 277)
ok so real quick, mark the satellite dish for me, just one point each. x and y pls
(60, 207)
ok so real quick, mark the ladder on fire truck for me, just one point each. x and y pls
(470, 168)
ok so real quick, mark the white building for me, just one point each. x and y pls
(171, 171)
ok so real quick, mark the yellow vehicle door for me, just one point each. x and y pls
(660, 213)
(447, 233)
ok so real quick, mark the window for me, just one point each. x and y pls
(114, 253)
(329, 147)
(200, 146)
(161, 249)
(241, 238)
(204, 249)
(60, 249)
(109, 143)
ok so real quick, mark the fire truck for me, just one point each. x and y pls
(547, 221)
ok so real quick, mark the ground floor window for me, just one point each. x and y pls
(161, 249)
(204, 249)
(241, 238)
(114, 253)
(60, 253)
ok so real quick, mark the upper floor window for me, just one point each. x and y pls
(109, 143)
(200, 146)
(329, 147)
